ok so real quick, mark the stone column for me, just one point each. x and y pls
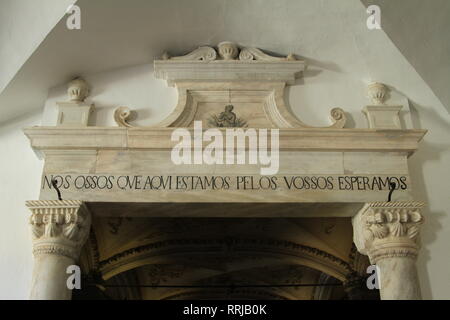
(59, 229)
(388, 233)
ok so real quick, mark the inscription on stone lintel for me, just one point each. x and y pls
(100, 182)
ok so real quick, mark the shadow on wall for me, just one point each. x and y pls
(428, 152)
(108, 82)
(132, 86)
(350, 123)
(315, 68)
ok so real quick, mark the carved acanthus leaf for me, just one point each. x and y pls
(384, 229)
(395, 222)
(59, 226)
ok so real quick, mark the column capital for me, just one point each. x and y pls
(59, 227)
(388, 229)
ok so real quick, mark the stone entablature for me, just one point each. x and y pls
(339, 155)
(246, 87)
(46, 139)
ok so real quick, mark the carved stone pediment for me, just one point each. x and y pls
(227, 51)
(251, 81)
(135, 164)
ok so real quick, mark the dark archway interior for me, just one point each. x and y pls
(222, 258)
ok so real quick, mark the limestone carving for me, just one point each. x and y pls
(121, 116)
(386, 229)
(227, 118)
(78, 90)
(377, 92)
(230, 75)
(248, 54)
(59, 226)
(75, 112)
(227, 50)
(233, 246)
(201, 53)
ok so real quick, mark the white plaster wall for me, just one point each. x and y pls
(20, 173)
(430, 171)
(23, 26)
(134, 87)
(431, 25)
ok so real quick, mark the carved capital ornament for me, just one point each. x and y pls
(388, 229)
(59, 227)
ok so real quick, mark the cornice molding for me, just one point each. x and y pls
(49, 139)
(248, 246)
(264, 71)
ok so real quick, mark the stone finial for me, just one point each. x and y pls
(78, 90)
(228, 50)
(377, 92)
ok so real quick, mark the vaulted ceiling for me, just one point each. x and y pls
(38, 53)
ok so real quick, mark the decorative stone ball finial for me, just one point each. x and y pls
(377, 92)
(78, 90)
(228, 50)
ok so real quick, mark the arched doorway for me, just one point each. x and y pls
(206, 258)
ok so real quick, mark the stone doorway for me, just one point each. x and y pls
(334, 186)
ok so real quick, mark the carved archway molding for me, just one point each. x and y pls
(230, 75)
(238, 247)
(255, 294)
